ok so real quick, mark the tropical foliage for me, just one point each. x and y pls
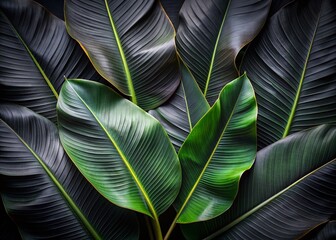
(168, 120)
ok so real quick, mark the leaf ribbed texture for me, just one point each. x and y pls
(289, 190)
(123, 151)
(220, 147)
(42, 190)
(130, 43)
(36, 54)
(183, 110)
(210, 35)
(292, 66)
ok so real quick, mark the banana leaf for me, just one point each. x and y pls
(288, 191)
(123, 151)
(43, 192)
(210, 35)
(130, 43)
(292, 66)
(36, 54)
(183, 110)
(220, 147)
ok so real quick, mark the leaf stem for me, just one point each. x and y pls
(149, 227)
(157, 229)
(171, 228)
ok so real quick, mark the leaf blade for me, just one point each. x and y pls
(213, 168)
(43, 191)
(211, 34)
(295, 81)
(128, 47)
(289, 162)
(120, 128)
(33, 66)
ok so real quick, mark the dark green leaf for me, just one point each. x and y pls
(131, 44)
(218, 150)
(292, 66)
(35, 55)
(210, 35)
(290, 189)
(123, 151)
(42, 190)
(180, 114)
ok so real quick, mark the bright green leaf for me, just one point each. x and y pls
(123, 151)
(218, 150)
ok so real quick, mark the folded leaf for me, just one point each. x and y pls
(123, 151)
(36, 54)
(288, 191)
(130, 43)
(183, 110)
(292, 66)
(218, 150)
(325, 231)
(172, 9)
(210, 35)
(42, 190)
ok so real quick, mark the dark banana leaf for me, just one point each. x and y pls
(36, 54)
(210, 35)
(130, 43)
(43, 192)
(172, 8)
(292, 66)
(183, 110)
(8, 230)
(289, 190)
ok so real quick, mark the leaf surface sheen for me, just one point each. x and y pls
(36, 54)
(130, 43)
(210, 35)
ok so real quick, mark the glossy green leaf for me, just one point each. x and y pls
(42, 190)
(218, 150)
(288, 191)
(123, 151)
(292, 66)
(130, 43)
(183, 110)
(210, 35)
(172, 8)
(8, 229)
(36, 54)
